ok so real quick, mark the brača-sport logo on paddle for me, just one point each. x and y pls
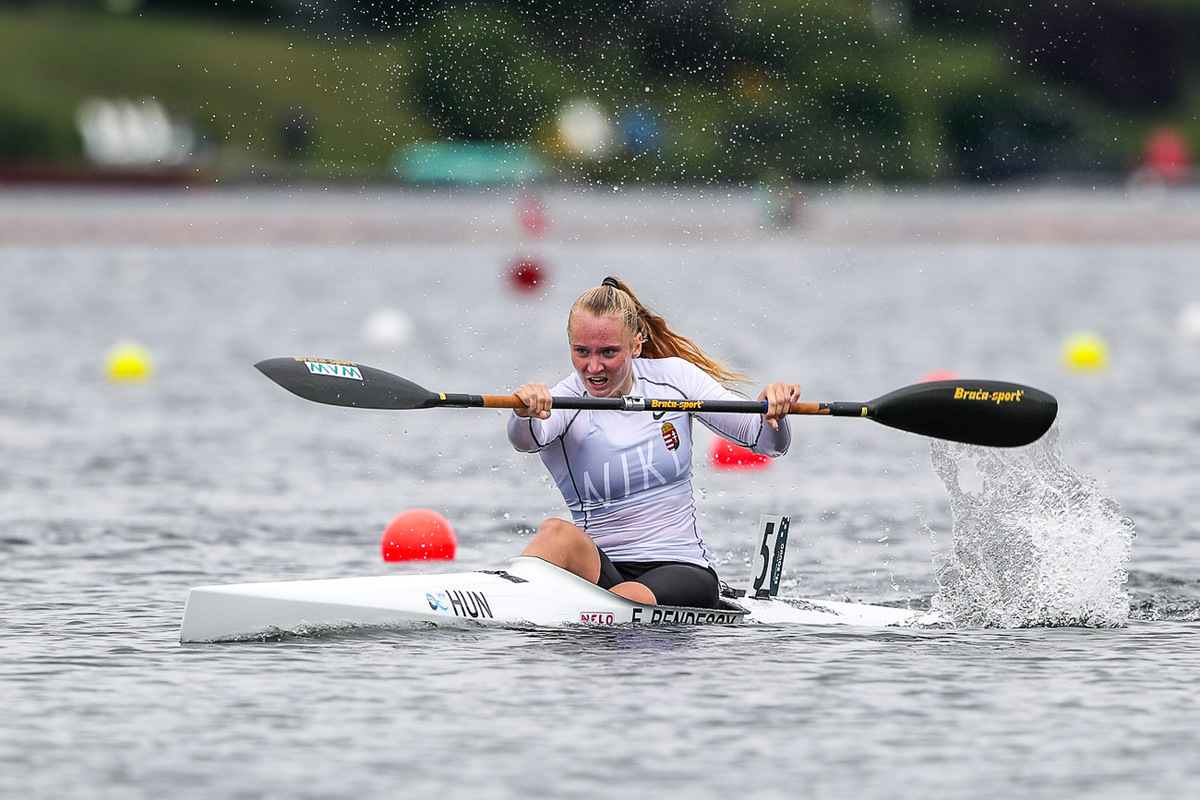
(334, 369)
(674, 405)
(983, 394)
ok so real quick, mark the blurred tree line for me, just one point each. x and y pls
(820, 90)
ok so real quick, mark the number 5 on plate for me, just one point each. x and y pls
(768, 559)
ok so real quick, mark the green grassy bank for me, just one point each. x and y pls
(236, 83)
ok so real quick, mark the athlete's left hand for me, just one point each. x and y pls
(779, 398)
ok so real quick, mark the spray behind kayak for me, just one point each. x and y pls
(1035, 543)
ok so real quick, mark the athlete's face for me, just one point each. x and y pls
(602, 352)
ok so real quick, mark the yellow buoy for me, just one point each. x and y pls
(1085, 351)
(129, 362)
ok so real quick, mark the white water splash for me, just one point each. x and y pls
(1035, 543)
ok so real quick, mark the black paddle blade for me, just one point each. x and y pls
(341, 383)
(988, 413)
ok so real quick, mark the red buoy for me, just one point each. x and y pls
(527, 275)
(419, 535)
(727, 455)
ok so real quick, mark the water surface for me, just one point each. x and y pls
(118, 498)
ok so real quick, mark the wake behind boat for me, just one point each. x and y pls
(527, 592)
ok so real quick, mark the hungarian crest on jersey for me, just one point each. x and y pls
(670, 436)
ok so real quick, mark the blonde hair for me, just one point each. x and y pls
(614, 299)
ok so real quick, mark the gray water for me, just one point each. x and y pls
(1062, 679)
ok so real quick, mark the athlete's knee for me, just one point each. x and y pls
(559, 532)
(567, 546)
(556, 527)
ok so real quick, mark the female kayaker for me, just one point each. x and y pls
(626, 476)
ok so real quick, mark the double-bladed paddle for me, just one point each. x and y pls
(981, 412)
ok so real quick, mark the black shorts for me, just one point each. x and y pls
(673, 583)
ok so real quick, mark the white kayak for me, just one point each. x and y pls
(527, 592)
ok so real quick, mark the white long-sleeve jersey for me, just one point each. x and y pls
(627, 475)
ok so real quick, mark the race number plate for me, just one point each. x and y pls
(767, 568)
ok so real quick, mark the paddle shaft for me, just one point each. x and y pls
(649, 404)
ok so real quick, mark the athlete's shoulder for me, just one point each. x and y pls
(668, 367)
(674, 377)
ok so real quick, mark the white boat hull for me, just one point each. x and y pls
(527, 592)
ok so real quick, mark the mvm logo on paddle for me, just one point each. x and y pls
(461, 603)
(334, 369)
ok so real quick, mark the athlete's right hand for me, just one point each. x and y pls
(537, 400)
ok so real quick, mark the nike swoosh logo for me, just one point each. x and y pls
(659, 414)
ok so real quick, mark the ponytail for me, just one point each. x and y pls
(614, 299)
